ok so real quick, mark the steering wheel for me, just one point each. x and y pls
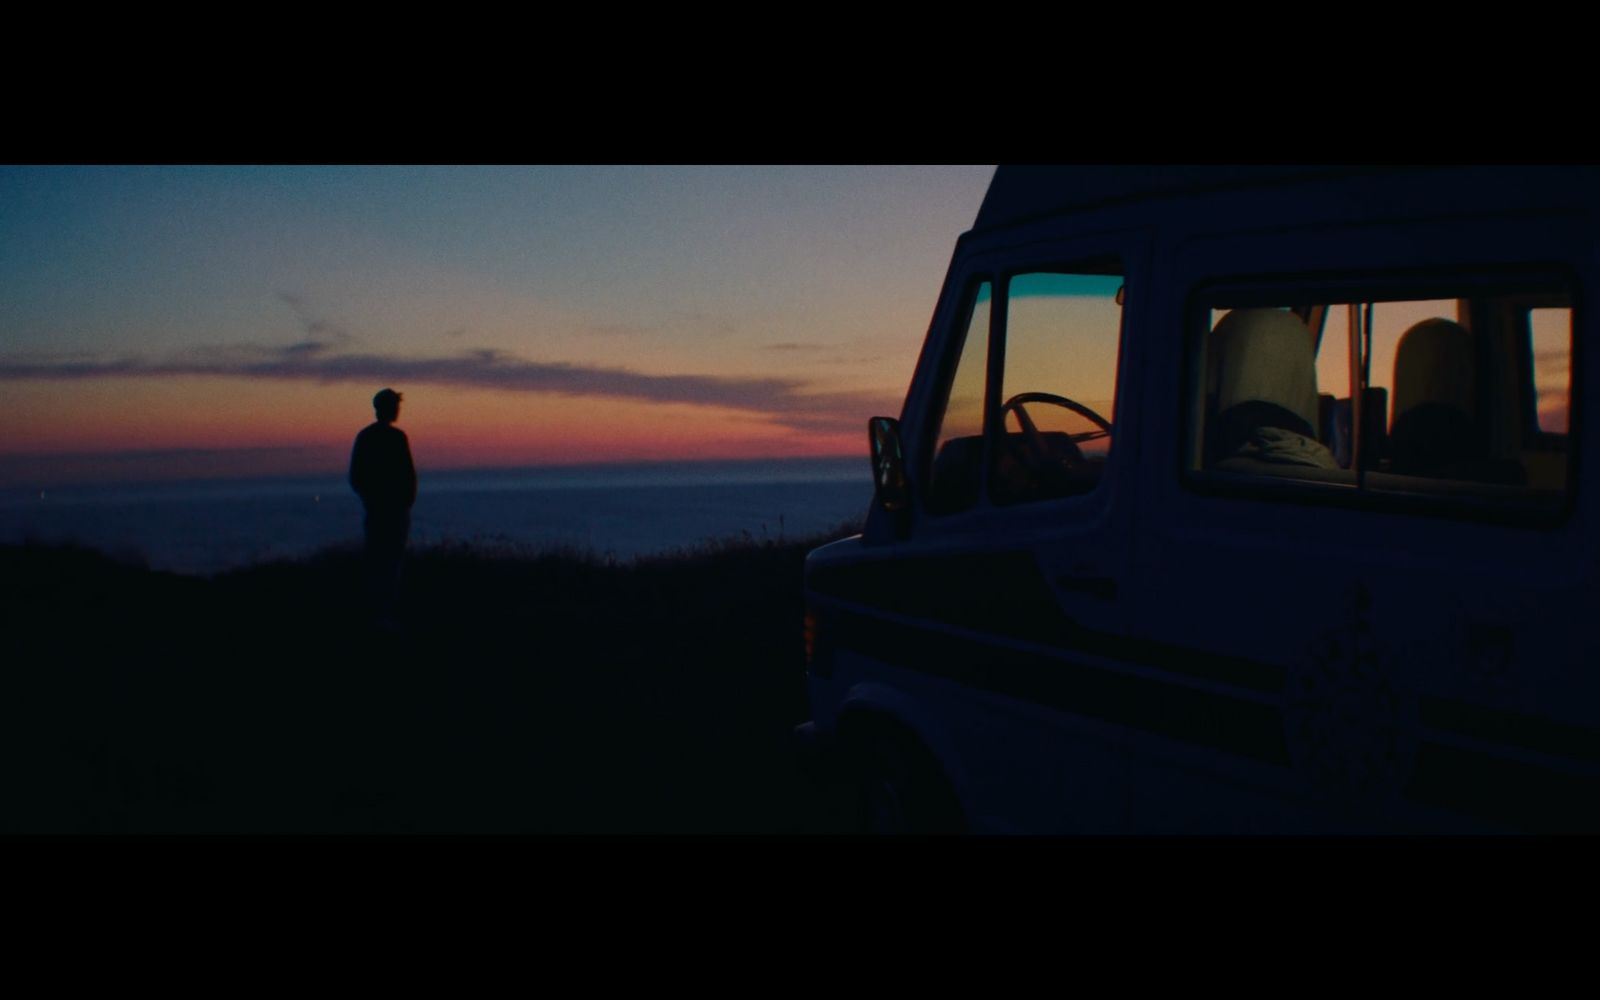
(1041, 456)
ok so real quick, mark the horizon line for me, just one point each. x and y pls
(152, 477)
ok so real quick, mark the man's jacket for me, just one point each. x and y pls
(381, 472)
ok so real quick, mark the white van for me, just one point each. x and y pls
(1235, 499)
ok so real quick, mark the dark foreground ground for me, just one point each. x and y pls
(522, 694)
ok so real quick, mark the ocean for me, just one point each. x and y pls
(616, 512)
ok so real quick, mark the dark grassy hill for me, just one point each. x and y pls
(523, 693)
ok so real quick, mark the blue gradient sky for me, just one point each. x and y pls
(540, 314)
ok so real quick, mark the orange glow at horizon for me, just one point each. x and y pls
(314, 424)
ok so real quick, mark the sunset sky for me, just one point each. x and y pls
(169, 322)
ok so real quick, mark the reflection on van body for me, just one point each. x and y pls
(1234, 499)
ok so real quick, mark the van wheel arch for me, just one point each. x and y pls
(898, 783)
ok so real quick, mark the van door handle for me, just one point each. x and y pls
(1103, 587)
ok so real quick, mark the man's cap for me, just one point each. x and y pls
(385, 396)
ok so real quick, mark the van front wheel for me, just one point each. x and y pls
(902, 790)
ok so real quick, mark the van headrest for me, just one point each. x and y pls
(1265, 355)
(1433, 363)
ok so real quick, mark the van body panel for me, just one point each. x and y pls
(1182, 645)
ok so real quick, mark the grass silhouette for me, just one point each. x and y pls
(526, 691)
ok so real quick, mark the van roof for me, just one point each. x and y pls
(1020, 193)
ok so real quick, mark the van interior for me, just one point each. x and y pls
(1460, 397)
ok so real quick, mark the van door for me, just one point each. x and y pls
(1013, 567)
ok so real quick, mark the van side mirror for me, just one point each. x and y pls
(888, 465)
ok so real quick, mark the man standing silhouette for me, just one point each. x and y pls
(383, 476)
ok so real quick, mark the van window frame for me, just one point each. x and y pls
(1099, 265)
(1387, 285)
(999, 279)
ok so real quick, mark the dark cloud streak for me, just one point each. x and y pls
(782, 399)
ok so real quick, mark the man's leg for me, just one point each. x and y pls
(386, 542)
(400, 533)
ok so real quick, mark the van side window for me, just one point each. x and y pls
(1552, 368)
(1058, 386)
(1460, 396)
(958, 447)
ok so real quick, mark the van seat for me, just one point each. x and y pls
(956, 468)
(1267, 406)
(1438, 430)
